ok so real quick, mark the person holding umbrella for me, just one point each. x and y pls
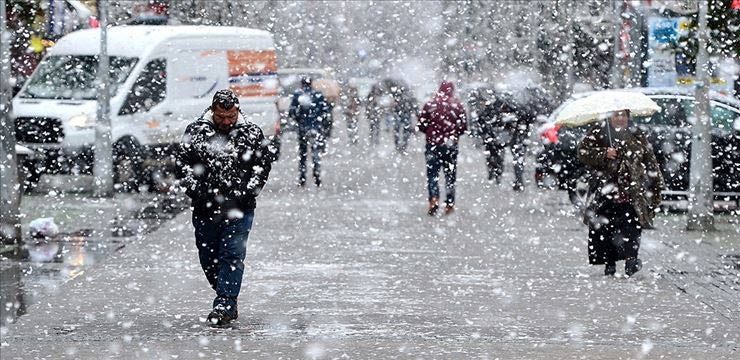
(626, 179)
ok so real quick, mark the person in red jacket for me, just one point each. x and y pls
(443, 120)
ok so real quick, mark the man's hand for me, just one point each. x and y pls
(611, 153)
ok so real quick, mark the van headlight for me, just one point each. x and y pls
(82, 121)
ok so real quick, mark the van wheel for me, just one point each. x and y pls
(128, 164)
(29, 175)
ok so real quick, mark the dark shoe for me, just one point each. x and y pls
(449, 209)
(220, 317)
(631, 266)
(518, 187)
(433, 206)
(610, 269)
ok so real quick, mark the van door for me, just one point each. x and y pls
(144, 109)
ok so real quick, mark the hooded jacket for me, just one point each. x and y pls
(443, 118)
(221, 172)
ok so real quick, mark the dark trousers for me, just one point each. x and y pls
(222, 246)
(401, 132)
(374, 123)
(445, 158)
(614, 233)
(352, 131)
(495, 152)
(315, 140)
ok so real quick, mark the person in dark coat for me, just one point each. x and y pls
(310, 110)
(627, 183)
(224, 163)
(404, 108)
(498, 125)
(442, 120)
(352, 104)
(374, 113)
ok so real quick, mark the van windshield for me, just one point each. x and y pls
(72, 77)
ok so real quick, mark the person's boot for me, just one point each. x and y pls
(631, 266)
(610, 269)
(518, 186)
(433, 206)
(449, 209)
(220, 316)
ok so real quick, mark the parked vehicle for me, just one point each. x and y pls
(669, 132)
(161, 79)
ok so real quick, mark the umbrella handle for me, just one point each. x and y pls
(609, 132)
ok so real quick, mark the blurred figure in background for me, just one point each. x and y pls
(498, 124)
(404, 108)
(351, 108)
(309, 109)
(374, 112)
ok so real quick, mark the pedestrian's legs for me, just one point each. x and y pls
(492, 161)
(317, 146)
(601, 246)
(496, 159)
(518, 152)
(449, 166)
(207, 234)
(628, 224)
(352, 128)
(302, 155)
(232, 250)
(405, 133)
(433, 164)
(397, 128)
(374, 130)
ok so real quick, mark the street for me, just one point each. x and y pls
(357, 269)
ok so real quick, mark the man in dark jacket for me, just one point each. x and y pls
(310, 110)
(627, 184)
(443, 120)
(497, 123)
(404, 108)
(225, 164)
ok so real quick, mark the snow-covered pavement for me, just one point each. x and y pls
(358, 270)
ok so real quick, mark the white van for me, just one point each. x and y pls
(161, 79)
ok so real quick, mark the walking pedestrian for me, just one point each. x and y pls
(404, 108)
(309, 109)
(442, 120)
(626, 182)
(374, 112)
(225, 163)
(496, 122)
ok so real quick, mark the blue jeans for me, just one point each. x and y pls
(222, 246)
(445, 158)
